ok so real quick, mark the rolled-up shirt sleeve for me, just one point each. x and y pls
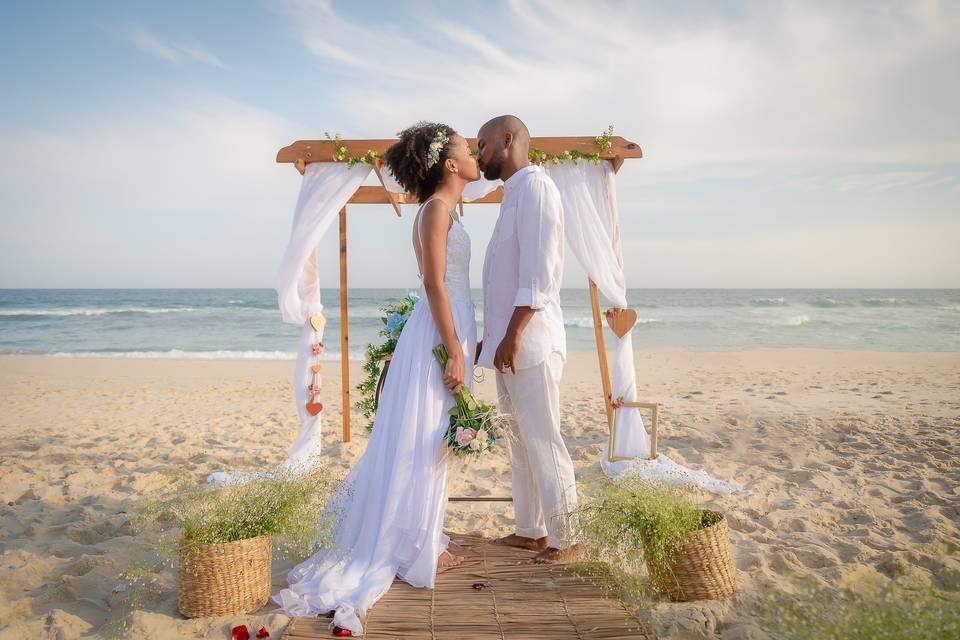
(540, 236)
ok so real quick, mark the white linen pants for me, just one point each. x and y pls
(544, 485)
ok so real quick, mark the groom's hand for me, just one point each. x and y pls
(510, 345)
(507, 353)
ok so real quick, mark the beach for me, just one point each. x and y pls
(848, 461)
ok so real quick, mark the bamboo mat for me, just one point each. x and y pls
(522, 601)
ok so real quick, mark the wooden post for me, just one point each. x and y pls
(344, 328)
(608, 387)
(602, 355)
(655, 431)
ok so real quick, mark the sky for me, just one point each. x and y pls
(786, 144)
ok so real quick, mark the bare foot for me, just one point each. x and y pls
(513, 540)
(447, 560)
(551, 555)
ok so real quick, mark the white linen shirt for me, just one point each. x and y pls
(523, 267)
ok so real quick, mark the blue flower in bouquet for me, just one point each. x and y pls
(413, 297)
(395, 322)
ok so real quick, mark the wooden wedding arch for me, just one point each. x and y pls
(303, 152)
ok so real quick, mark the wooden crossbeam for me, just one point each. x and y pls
(379, 195)
(307, 151)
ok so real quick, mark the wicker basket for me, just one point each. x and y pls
(225, 579)
(702, 568)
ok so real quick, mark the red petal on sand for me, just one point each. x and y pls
(340, 632)
(263, 633)
(240, 633)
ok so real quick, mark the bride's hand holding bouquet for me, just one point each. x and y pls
(475, 427)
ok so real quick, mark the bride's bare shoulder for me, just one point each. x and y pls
(435, 216)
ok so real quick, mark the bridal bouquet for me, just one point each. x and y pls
(474, 426)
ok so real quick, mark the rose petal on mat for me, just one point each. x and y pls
(263, 633)
(240, 633)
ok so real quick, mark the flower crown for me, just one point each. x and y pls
(440, 140)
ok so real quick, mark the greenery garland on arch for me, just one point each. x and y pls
(603, 142)
(342, 154)
(394, 318)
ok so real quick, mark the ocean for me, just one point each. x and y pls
(245, 323)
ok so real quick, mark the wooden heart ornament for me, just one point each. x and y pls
(621, 321)
(315, 368)
(313, 408)
(318, 322)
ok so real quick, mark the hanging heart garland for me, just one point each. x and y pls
(621, 321)
(314, 406)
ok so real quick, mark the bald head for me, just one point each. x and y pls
(508, 124)
(502, 145)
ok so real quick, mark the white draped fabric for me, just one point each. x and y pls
(592, 229)
(324, 191)
(326, 188)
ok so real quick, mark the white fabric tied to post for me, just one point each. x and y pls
(325, 190)
(592, 229)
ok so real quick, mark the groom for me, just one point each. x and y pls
(523, 336)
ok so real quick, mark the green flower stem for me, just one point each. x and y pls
(464, 399)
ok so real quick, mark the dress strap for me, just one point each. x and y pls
(419, 234)
(420, 219)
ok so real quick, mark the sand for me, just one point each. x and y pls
(849, 462)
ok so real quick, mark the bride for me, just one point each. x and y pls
(390, 507)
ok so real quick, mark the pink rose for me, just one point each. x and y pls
(317, 348)
(464, 436)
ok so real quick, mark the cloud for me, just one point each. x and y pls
(185, 192)
(792, 85)
(176, 52)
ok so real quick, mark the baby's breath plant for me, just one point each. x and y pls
(282, 504)
(635, 527)
(139, 584)
(285, 504)
(895, 612)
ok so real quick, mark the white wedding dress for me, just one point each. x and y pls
(389, 509)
